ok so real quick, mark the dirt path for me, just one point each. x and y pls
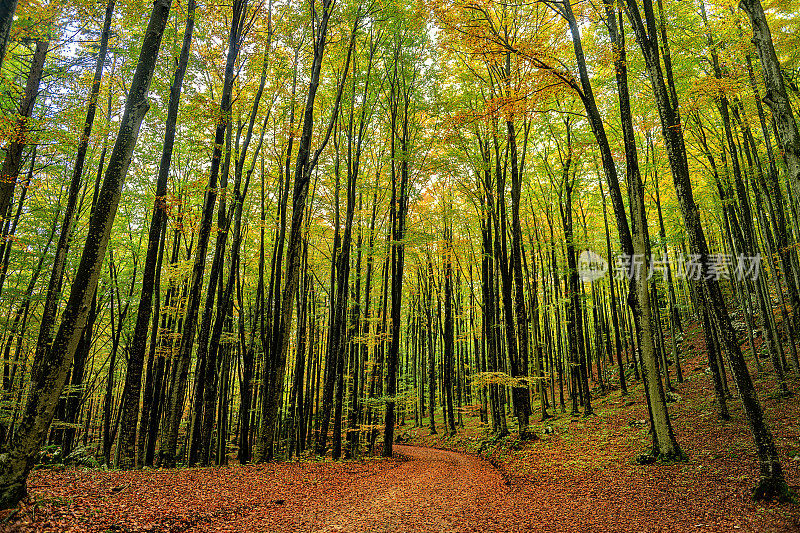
(430, 491)
(419, 490)
(422, 490)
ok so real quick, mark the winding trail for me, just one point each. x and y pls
(429, 491)
(420, 490)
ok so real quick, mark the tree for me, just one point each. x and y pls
(180, 373)
(304, 166)
(133, 376)
(776, 97)
(7, 9)
(772, 483)
(50, 373)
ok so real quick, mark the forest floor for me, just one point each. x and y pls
(420, 490)
(579, 474)
(582, 471)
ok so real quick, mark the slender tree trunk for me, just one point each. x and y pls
(13, 160)
(399, 109)
(138, 344)
(772, 483)
(521, 313)
(48, 378)
(7, 10)
(62, 247)
(304, 165)
(776, 98)
(169, 442)
(155, 360)
(665, 444)
(447, 374)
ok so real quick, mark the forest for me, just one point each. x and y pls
(272, 232)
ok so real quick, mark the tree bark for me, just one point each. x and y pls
(13, 159)
(169, 441)
(304, 165)
(48, 378)
(7, 10)
(772, 483)
(776, 97)
(138, 344)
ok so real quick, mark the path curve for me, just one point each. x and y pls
(430, 491)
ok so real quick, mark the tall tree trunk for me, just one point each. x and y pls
(138, 344)
(665, 444)
(427, 289)
(334, 316)
(573, 294)
(519, 346)
(180, 373)
(776, 98)
(47, 380)
(246, 382)
(449, 356)
(205, 375)
(772, 483)
(399, 109)
(614, 315)
(304, 165)
(18, 142)
(59, 261)
(7, 10)
(155, 361)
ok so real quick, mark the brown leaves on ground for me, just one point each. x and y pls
(583, 476)
(196, 499)
(579, 476)
(421, 490)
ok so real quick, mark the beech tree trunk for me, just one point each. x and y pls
(448, 333)
(47, 380)
(772, 483)
(776, 96)
(401, 87)
(169, 442)
(7, 10)
(138, 344)
(304, 165)
(13, 160)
